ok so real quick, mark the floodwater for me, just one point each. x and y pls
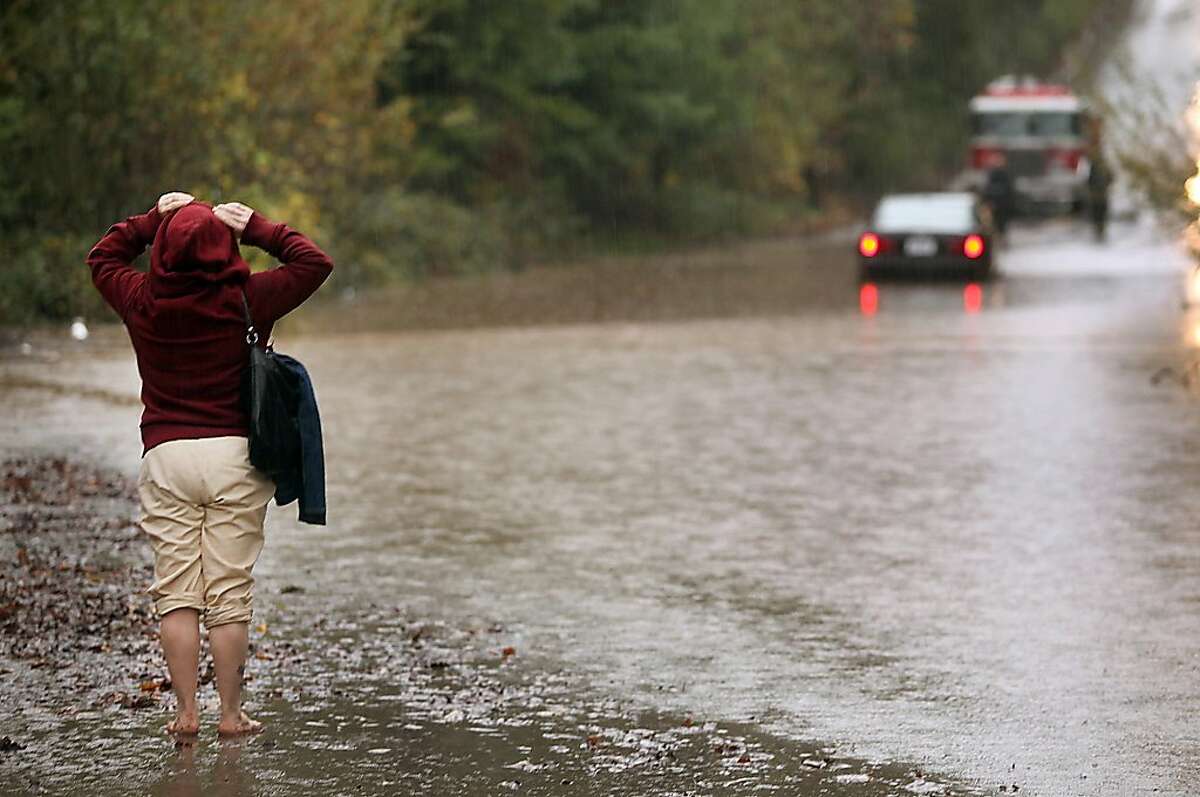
(948, 531)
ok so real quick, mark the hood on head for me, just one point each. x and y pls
(194, 248)
(196, 238)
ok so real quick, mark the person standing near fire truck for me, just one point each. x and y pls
(1098, 182)
(998, 192)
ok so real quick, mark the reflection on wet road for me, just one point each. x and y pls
(932, 523)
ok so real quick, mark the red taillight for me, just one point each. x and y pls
(868, 244)
(973, 247)
(1067, 159)
(986, 157)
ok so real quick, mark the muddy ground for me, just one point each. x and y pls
(83, 682)
(69, 620)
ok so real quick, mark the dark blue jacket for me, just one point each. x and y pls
(306, 481)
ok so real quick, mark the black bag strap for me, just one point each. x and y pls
(251, 332)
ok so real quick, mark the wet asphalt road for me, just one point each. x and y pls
(956, 531)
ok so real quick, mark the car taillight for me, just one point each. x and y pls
(868, 244)
(1067, 159)
(986, 157)
(973, 247)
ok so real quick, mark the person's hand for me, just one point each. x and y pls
(173, 200)
(235, 214)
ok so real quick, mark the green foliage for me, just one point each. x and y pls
(424, 234)
(34, 285)
(650, 116)
(419, 138)
(911, 78)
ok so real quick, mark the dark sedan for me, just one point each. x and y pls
(942, 234)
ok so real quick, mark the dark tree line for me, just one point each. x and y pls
(422, 137)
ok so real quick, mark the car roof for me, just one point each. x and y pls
(942, 211)
(932, 196)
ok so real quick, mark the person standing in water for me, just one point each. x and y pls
(1098, 182)
(202, 503)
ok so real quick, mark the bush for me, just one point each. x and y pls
(393, 235)
(45, 278)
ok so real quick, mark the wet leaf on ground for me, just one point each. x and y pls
(8, 745)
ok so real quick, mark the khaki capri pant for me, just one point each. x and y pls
(203, 507)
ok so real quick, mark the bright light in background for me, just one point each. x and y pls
(1193, 187)
(868, 299)
(1193, 121)
(972, 298)
(1193, 288)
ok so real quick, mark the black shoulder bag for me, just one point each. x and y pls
(269, 397)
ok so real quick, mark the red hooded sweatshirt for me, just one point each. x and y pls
(185, 316)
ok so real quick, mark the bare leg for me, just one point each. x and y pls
(229, 644)
(179, 632)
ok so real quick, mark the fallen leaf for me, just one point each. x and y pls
(7, 745)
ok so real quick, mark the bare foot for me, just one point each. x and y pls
(241, 726)
(183, 725)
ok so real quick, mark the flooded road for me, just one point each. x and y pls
(941, 529)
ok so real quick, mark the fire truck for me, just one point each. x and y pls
(1040, 133)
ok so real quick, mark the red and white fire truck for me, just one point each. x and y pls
(1040, 133)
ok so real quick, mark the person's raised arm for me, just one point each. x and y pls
(277, 292)
(111, 259)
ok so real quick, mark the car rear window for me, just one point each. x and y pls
(951, 214)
